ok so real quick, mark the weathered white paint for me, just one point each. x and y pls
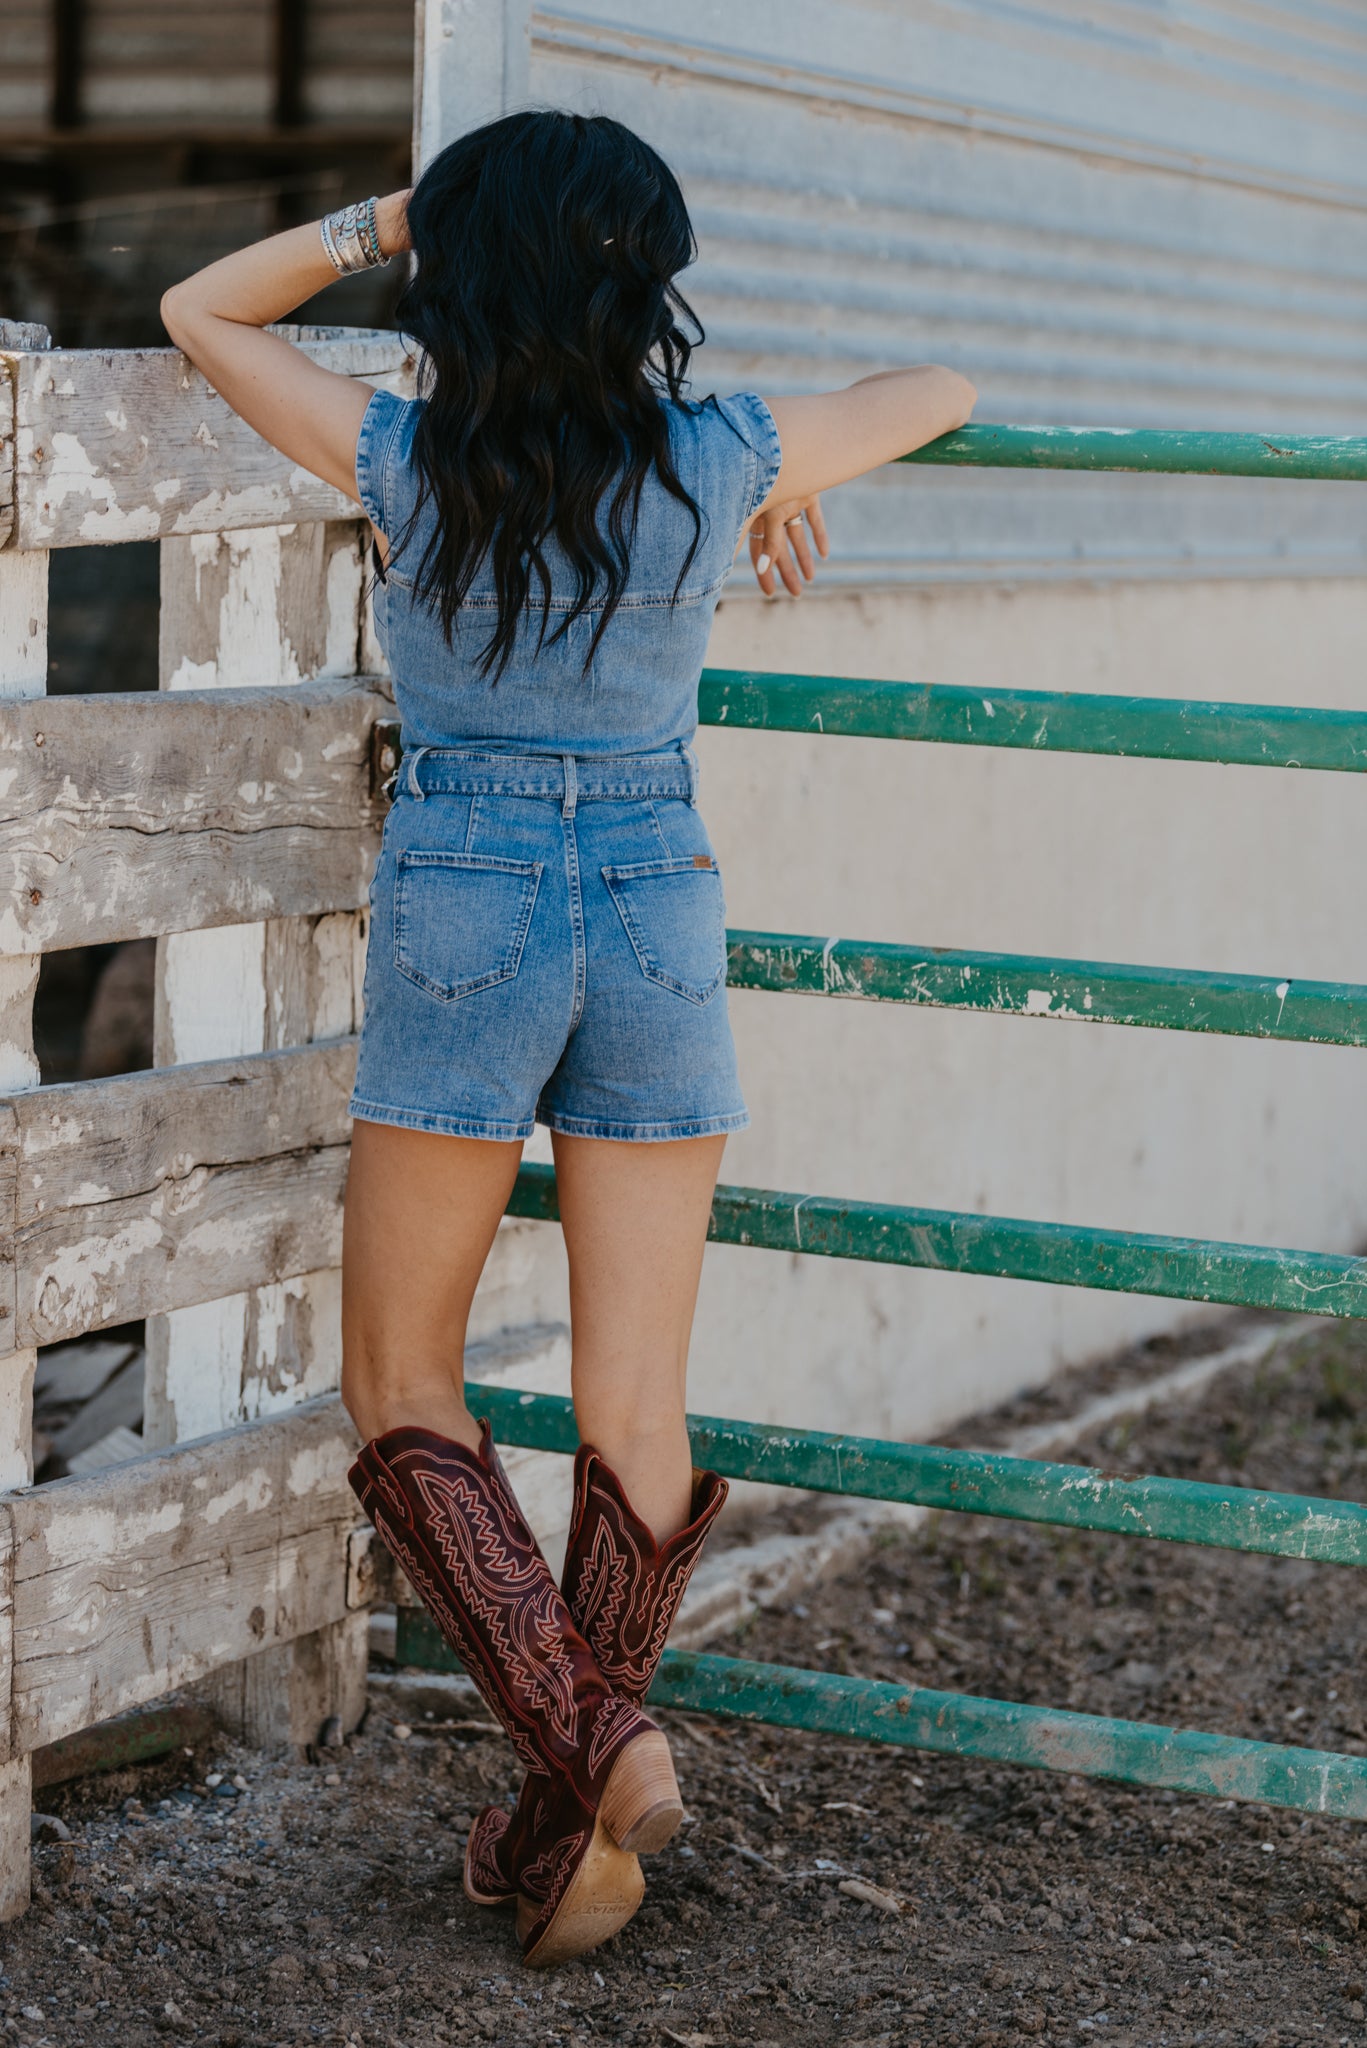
(212, 992)
(85, 471)
(271, 605)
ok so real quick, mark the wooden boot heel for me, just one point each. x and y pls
(641, 1807)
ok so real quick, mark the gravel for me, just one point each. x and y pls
(819, 1892)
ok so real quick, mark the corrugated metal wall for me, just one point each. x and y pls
(1133, 213)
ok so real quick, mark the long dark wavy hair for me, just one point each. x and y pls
(544, 301)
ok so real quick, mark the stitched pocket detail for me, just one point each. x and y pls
(461, 919)
(675, 918)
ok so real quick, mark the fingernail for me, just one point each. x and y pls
(761, 565)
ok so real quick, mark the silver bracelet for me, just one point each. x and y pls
(351, 238)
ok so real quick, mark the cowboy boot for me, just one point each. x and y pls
(623, 1591)
(603, 1768)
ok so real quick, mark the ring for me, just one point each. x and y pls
(794, 522)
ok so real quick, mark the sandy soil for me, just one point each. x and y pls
(299, 1903)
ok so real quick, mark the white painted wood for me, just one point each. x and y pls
(135, 815)
(151, 1574)
(134, 444)
(23, 675)
(172, 1567)
(169, 1189)
(279, 606)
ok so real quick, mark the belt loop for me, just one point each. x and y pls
(691, 758)
(410, 771)
(567, 809)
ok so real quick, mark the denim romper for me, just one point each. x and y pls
(547, 928)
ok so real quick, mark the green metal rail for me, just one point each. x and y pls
(1065, 1254)
(1173, 1510)
(1040, 721)
(994, 1731)
(977, 1482)
(1019, 985)
(957, 1724)
(999, 1731)
(1321, 458)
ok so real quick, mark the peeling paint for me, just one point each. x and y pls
(249, 1494)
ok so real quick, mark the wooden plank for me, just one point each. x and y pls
(173, 1187)
(134, 444)
(279, 605)
(220, 1230)
(134, 814)
(81, 1145)
(149, 1575)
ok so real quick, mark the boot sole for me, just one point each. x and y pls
(640, 1810)
(641, 1807)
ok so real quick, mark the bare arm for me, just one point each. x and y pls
(831, 436)
(217, 317)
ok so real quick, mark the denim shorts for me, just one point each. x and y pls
(547, 944)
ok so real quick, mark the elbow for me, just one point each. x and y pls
(965, 398)
(172, 310)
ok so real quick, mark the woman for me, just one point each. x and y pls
(553, 520)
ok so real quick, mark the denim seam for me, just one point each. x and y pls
(678, 1127)
(476, 601)
(660, 830)
(579, 937)
(427, 1120)
(554, 792)
(376, 469)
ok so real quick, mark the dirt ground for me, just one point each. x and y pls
(301, 1903)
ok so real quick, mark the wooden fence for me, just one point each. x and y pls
(236, 816)
(233, 815)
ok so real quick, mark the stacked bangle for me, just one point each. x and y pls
(352, 238)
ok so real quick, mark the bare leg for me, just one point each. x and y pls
(421, 1212)
(635, 1222)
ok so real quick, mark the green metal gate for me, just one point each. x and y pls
(1319, 1283)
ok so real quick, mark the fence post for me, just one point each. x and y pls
(275, 605)
(23, 673)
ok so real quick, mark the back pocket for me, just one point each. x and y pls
(460, 919)
(676, 921)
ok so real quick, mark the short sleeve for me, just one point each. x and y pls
(380, 424)
(751, 418)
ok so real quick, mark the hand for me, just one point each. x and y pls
(391, 219)
(779, 535)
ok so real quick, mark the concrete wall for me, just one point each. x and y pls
(1103, 215)
(1178, 864)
